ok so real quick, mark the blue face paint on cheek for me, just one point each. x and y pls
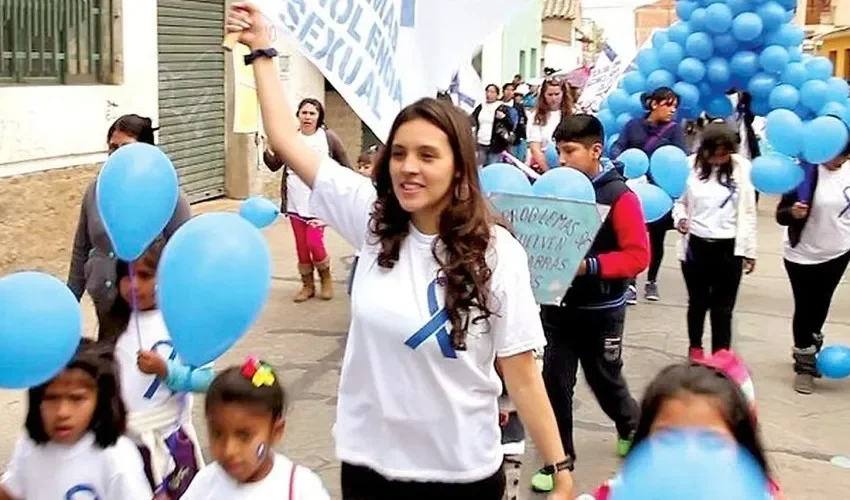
(261, 450)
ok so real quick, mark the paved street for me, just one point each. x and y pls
(305, 342)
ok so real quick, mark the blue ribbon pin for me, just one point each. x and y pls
(732, 189)
(847, 199)
(436, 325)
(81, 488)
(156, 382)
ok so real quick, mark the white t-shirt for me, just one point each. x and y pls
(406, 409)
(298, 193)
(542, 133)
(713, 207)
(486, 120)
(213, 483)
(54, 471)
(826, 235)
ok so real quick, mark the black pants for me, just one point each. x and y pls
(657, 231)
(362, 483)
(595, 339)
(712, 275)
(813, 286)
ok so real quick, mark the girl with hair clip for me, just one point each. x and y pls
(246, 416)
(93, 261)
(74, 445)
(554, 104)
(717, 218)
(309, 231)
(656, 129)
(418, 413)
(716, 395)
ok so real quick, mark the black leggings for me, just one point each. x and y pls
(362, 483)
(657, 231)
(813, 286)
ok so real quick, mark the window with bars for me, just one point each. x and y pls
(56, 41)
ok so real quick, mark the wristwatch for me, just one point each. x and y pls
(553, 469)
(259, 53)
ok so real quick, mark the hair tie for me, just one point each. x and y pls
(259, 373)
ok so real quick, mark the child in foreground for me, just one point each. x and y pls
(715, 394)
(245, 411)
(74, 446)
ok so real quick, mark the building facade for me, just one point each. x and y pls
(514, 50)
(648, 18)
(561, 50)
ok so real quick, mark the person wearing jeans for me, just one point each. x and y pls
(717, 218)
(817, 250)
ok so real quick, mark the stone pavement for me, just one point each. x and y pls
(306, 342)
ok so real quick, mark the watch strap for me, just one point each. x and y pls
(561, 466)
(259, 53)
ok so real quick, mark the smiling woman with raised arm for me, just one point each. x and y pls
(418, 412)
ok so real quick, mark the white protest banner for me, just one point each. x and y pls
(384, 54)
(606, 74)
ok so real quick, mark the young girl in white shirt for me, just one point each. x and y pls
(554, 104)
(717, 218)
(418, 413)
(155, 384)
(245, 410)
(74, 446)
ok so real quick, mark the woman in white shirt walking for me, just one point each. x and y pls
(493, 127)
(553, 105)
(717, 218)
(817, 250)
(417, 414)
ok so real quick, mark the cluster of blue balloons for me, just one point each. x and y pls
(669, 169)
(561, 183)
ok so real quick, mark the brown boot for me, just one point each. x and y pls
(327, 291)
(308, 284)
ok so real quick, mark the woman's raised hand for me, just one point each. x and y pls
(245, 18)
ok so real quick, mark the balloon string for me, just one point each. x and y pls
(134, 303)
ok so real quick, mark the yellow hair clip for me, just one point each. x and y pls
(259, 373)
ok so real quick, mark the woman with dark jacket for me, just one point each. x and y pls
(656, 129)
(494, 130)
(817, 250)
(93, 262)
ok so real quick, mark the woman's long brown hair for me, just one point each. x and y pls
(465, 228)
(543, 109)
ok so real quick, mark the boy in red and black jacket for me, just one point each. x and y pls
(587, 327)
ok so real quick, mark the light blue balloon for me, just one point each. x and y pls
(760, 107)
(635, 163)
(636, 106)
(688, 94)
(819, 68)
(718, 73)
(836, 109)
(618, 102)
(669, 169)
(259, 211)
(659, 78)
(566, 184)
(654, 201)
(834, 361)
(634, 82)
(794, 74)
(671, 54)
(788, 4)
(623, 120)
(684, 8)
(553, 158)
(212, 283)
(609, 143)
(691, 70)
(813, 94)
(41, 328)
(698, 20)
(659, 38)
(679, 32)
(795, 54)
(747, 26)
(775, 173)
(725, 44)
(738, 6)
(608, 120)
(824, 138)
(647, 61)
(690, 463)
(719, 106)
(505, 178)
(838, 90)
(772, 15)
(136, 196)
(784, 97)
(774, 59)
(745, 64)
(787, 35)
(718, 18)
(761, 85)
(784, 131)
(700, 46)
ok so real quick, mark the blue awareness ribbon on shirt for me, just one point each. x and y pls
(156, 381)
(71, 494)
(732, 190)
(847, 199)
(435, 326)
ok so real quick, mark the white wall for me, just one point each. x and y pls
(562, 56)
(301, 79)
(45, 127)
(491, 59)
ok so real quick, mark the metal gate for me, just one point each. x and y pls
(191, 93)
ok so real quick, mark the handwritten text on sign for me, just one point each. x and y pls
(556, 235)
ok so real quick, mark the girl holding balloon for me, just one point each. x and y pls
(816, 253)
(717, 218)
(553, 105)
(418, 409)
(74, 445)
(656, 129)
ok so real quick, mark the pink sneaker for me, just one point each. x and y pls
(696, 354)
